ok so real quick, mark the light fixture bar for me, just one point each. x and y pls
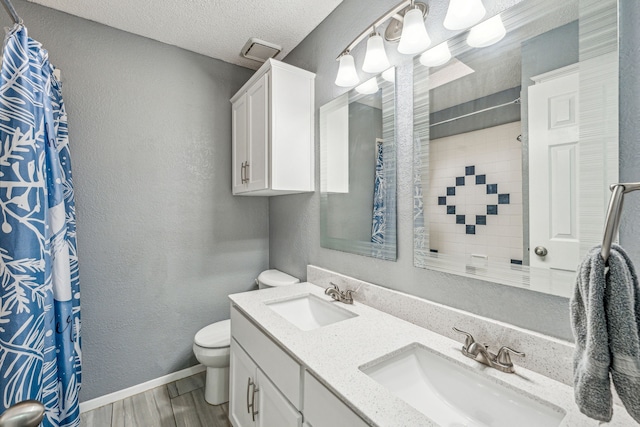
(375, 24)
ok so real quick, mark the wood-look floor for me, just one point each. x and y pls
(178, 404)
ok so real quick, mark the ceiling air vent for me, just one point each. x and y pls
(260, 50)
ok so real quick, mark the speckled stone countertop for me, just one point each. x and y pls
(334, 354)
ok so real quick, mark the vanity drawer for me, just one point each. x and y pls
(281, 369)
(323, 409)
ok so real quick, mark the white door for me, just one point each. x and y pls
(553, 170)
(242, 386)
(273, 408)
(239, 144)
(258, 133)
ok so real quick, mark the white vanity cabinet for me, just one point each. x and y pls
(323, 409)
(273, 132)
(264, 381)
(254, 400)
(269, 388)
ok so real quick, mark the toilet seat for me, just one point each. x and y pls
(216, 335)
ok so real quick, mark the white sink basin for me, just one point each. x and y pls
(454, 396)
(309, 312)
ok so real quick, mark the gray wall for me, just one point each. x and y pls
(484, 120)
(294, 222)
(161, 240)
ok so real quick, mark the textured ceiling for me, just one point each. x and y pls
(215, 28)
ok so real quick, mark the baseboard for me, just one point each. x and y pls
(139, 388)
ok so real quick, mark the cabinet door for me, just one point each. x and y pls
(273, 408)
(241, 372)
(239, 143)
(323, 409)
(258, 134)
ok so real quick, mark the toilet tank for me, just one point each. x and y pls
(273, 278)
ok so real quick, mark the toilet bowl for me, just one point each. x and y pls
(211, 348)
(275, 278)
(211, 344)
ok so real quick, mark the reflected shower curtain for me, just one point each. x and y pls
(40, 310)
(379, 225)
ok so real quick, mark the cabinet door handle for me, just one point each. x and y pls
(242, 169)
(254, 412)
(251, 407)
(249, 384)
(246, 170)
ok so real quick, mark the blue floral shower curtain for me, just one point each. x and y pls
(379, 225)
(40, 310)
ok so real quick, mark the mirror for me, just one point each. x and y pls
(516, 144)
(358, 170)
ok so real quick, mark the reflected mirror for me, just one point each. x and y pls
(516, 144)
(358, 170)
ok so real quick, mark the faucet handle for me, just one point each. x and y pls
(503, 357)
(348, 294)
(468, 340)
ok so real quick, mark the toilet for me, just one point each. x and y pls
(211, 344)
(275, 278)
(211, 348)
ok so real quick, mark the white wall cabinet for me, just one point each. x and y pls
(273, 132)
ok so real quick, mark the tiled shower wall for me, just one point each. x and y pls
(474, 202)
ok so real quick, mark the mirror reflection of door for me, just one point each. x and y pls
(553, 169)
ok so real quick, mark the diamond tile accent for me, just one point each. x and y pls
(492, 209)
(442, 200)
(471, 229)
(460, 219)
(451, 210)
(492, 188)
(451, 191)
(481, 179)
(503, 199)
(460, 180)
(470, 170)
(481, 220)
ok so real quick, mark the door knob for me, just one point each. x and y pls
(540, 251)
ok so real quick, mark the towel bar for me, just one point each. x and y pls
(613, 214)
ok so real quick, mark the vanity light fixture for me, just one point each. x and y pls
(369, 87)
(487, 33)
(414, 37)
(375, 60)
(436, 56)
(406, 25)
(389, 75)
(347, 74)
(463, 14)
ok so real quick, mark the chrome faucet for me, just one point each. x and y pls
(481, 353)
(334, 292)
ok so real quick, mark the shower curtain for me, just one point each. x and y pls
(40, 310)
(379, 225)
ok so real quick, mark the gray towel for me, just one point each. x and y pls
(605, 324)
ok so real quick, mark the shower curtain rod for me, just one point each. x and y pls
(8, 6)
(613, 215)
(515, 101)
